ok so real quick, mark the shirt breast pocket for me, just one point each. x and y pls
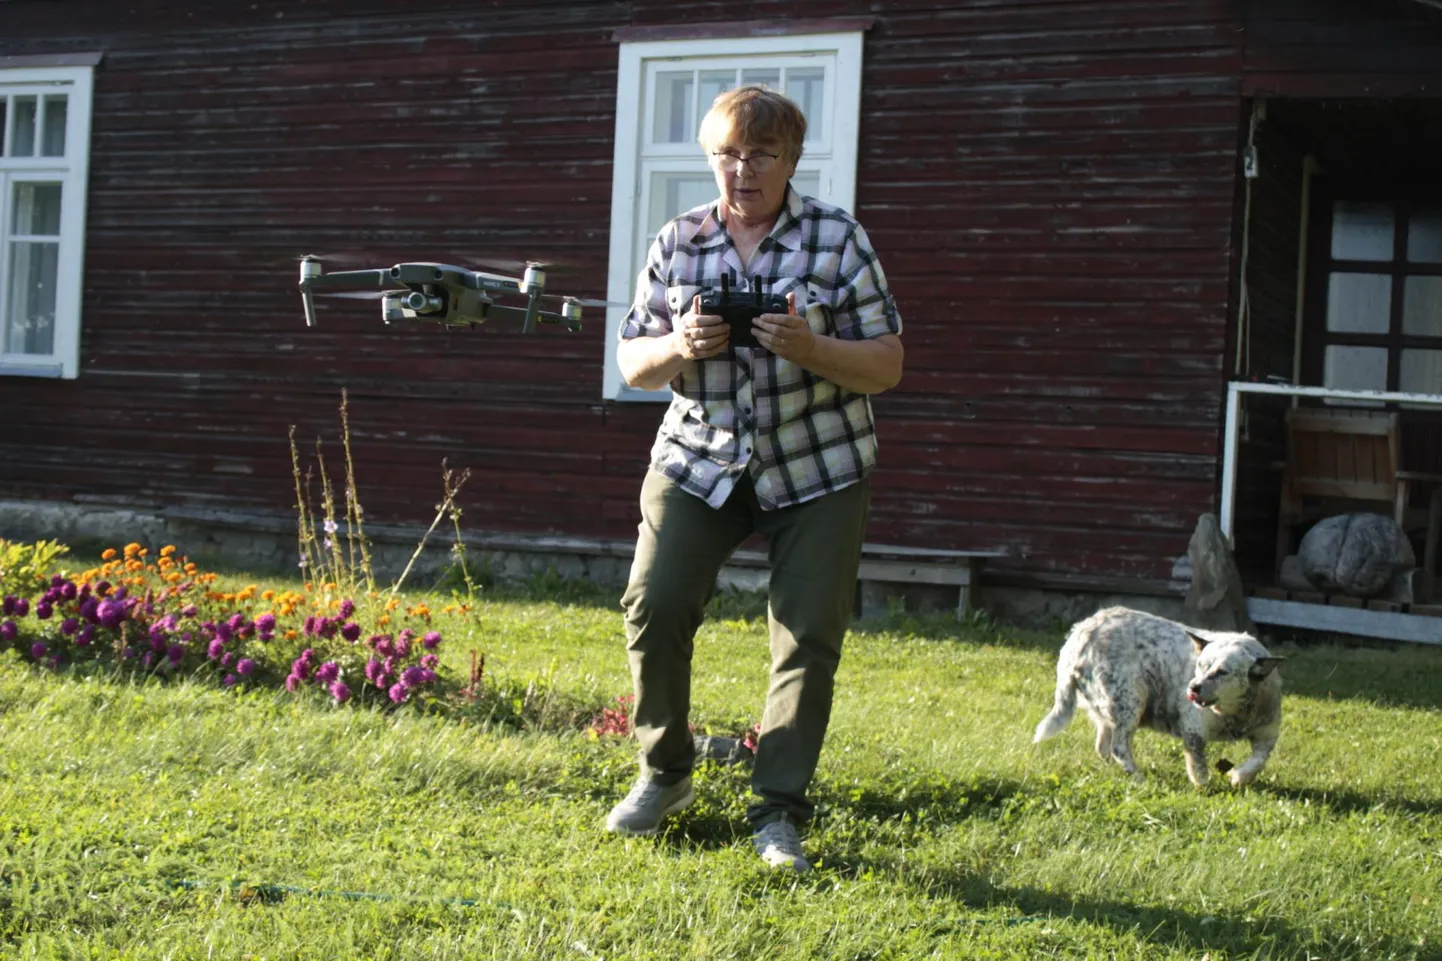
(680, 299)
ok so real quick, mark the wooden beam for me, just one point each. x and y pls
(1346, 620)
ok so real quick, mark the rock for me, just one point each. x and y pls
(1291, 576)
(1355, 554)
(722, 750)
(1215, 600)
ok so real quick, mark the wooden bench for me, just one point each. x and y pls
(893, 564)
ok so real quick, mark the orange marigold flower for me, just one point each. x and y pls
(167, 550)
(291, 635)
(131, 548)
(383, 620)
(267, 595)
(109, 554)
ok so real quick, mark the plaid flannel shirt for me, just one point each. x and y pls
(799, 435)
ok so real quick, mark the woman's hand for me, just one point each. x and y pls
(788, 336)
(699, 335)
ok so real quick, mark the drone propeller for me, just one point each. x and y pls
(352, 294)
(587, 301)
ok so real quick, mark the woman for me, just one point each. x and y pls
(776, 440)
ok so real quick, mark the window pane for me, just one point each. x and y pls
(22, 133)
(1421, 372)
(1359, 303)
(675, 118)
(808, 88)
(1362, 231)
(1355, 368)
(713, 83)
(676, 193)
(1424, 237)
(765, 77)
(33, 271)
(52, 139)
(807, 183)
(1422, 307)
(37, 210)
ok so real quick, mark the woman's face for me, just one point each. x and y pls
(755, 197)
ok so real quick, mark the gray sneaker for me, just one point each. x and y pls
(779, 847)
(641, 811)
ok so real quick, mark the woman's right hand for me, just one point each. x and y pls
(699, 336)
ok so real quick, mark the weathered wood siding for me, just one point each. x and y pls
(1051, 187)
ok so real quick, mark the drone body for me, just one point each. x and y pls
(441, 293)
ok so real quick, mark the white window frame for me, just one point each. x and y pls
(633, 113)
(72, 172)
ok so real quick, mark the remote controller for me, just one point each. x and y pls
(740, 308)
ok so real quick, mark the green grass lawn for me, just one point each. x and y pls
(153, 820)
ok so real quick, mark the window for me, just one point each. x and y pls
(44, 164)
(1379, 321)
(664, 88)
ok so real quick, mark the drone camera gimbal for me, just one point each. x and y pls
(453, 296)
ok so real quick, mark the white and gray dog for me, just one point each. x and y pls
(1132, 669)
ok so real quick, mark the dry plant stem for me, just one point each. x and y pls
(355, 530)
(305, 531)
(460, 548)
(338, 573)
(447, 505)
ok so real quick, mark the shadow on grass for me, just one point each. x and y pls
(1348, 802)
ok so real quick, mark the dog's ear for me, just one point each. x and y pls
(1198, 642)
(1263, 666)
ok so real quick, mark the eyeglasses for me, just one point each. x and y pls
(760, 162)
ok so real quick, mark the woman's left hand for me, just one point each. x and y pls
(788, 336)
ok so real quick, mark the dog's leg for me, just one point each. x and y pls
(1122, 747)
(1247, 771)
(1104, 740)
(1195, 748)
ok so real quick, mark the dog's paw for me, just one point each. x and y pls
(1239, 779)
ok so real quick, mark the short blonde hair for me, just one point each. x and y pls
(759, 117)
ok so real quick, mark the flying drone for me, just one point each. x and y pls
(442, 293)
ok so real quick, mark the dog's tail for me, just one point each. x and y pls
(1061, 710)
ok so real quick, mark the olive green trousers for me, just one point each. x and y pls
(814, 550)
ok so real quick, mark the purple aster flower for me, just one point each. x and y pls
(351, 632)
(56, 580)
(7, 606)
(129, 652)
(170, 622)
(427, 675)
(430, 661)
(51, 596)
(88, 608)
(86, 635)
(175, 654)
(327, 672)
(372, 668)
(340, 692)
(43, 610)
(69, 626)
(227, 659)
(430, 641)
(157, 644)
(22, 606)
(309, 627)
(413, 676)
(102, 588)
(110, 613)
(292, 683)
(245, 667)
(230, 680)
(403, 647)
(68, 590)
(38, 649)
(327, 627)
(8, 631)
(300, 669)
(223, 631)
(383, 680)
(216, 650)
(186, 637)
(265, 623)
(189, 610)
(398, 693)
(347, 608)
(384, 647)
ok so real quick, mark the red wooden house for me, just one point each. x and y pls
(1094, 215)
